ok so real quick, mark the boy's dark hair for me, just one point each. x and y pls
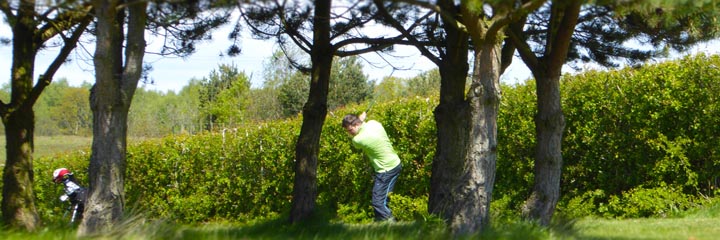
(350, 120)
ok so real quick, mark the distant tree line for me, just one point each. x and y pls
(222, 99)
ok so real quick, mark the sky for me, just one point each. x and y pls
(173, 73)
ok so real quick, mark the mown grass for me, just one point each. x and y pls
(692, 228)
(51, 145)
(46, 146)
(697, 224)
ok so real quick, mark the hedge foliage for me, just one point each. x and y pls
(246, 173)
(631, 135)
(638, 142)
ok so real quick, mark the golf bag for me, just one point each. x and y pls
(74, 193)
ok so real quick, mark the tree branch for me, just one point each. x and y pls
(254, 28)
(395, 24)
(294, 34)
(528, 56)
(63, 22)
(300, 67)
(135, 47)
(70, 43)
(514, 15)
(349, 27)
(5, 8)
(560, 36)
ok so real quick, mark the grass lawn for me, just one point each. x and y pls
(688, 228)
(51, 145)
(669, 228)
(696, 224)
(685, 228)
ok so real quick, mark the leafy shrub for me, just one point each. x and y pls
(651, 126)
(408, 208)
(404, 209)
(247, 173)
(516, 141)
(236, 174)
(503, 210)
(590, 203)
(638, 142)
(649, 202)
(643, 127)
(47, 193)
(355, 212)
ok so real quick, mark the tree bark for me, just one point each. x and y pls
(549, 125)
(451, 118)
(18, 202)
(110, 100)
(463, 171)
(314, 113)
(484, 98)
(549, 121)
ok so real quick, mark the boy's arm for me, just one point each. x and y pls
(363, 116)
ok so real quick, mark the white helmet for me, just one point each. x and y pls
(59, 174)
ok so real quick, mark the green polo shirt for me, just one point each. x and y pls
(374, 142)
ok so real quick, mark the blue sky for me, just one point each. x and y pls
(172, 73)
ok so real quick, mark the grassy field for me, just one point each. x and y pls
(685, 228)
(682, 228)
(697, 224)
(50, 145)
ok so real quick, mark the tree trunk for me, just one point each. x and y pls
(110, 100)
(107, 164)
(549, 121)
(450, 116)
(549, 125)
(18, 202)
(314, 113)
(463, 169)
(484, 98)
(469, 136)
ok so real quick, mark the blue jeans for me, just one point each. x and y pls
(383, 185)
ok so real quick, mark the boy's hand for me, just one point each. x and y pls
(363, 116)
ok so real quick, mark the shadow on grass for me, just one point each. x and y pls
(318, 228)
(315, 229)
(432, 228)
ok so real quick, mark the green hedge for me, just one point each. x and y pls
(638, 142)
(627, 132)
(247, 173)
(48, 193)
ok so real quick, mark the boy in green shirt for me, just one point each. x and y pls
(373, 140)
